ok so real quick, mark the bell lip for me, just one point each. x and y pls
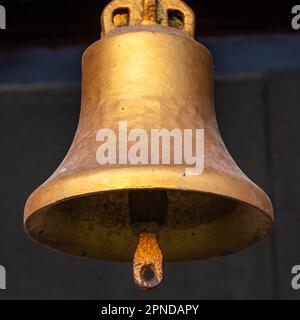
(32, 236)
(37, 201)
(161, 30)
(59, 189)
(268, 214)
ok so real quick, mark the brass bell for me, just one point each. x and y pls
(147, 72)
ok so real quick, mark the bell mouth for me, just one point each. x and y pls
(197, 225)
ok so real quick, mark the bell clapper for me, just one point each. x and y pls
(148, 212)
(148, 262)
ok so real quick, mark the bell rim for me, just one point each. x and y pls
(264, 211)
(159, 177)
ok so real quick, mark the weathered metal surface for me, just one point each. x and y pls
(148, 258)
(152, 76)
(54, 110)
(148, 13)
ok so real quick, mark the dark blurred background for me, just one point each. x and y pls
(69, 21)
(257, 68)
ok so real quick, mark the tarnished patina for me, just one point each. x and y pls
(147, 70)
(148, 262)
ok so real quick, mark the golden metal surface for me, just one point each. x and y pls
(152, 76)
(147, 12)
(150, 11)
(121, 19)
(148, 258)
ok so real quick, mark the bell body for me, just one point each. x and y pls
(151, 77)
